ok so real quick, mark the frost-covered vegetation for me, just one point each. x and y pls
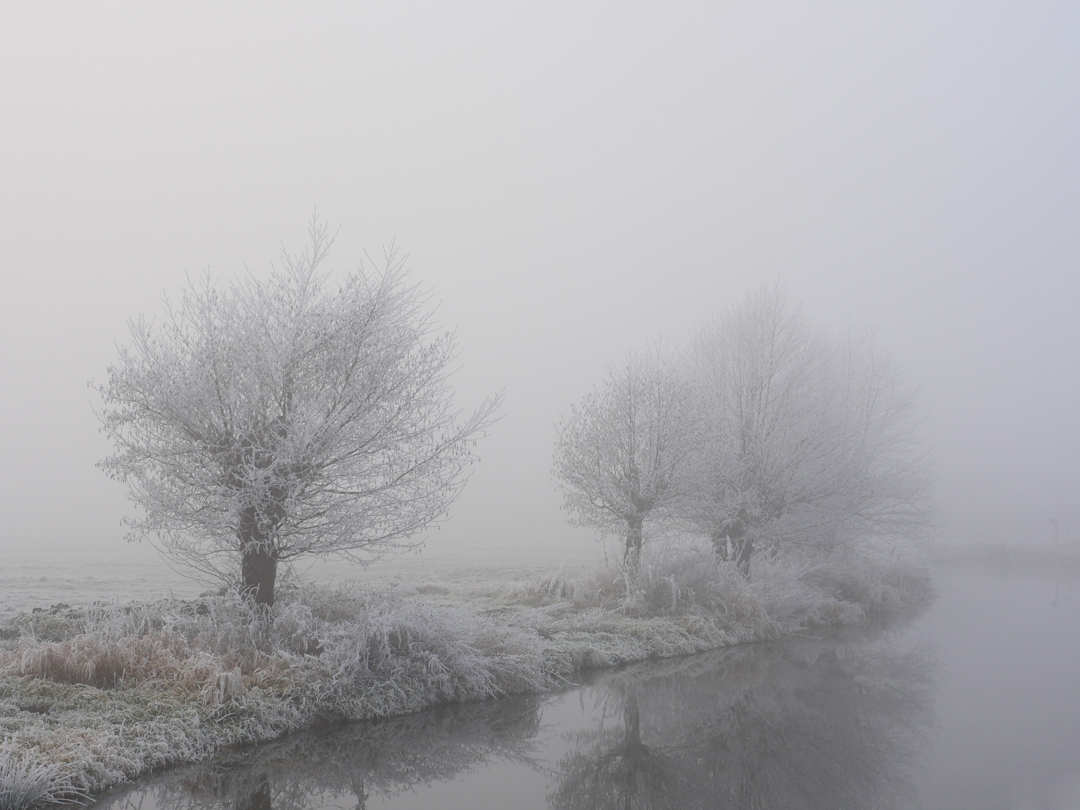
(26, 782)
(97, 695)
(833, 722)
(289, 417)
(766, 432)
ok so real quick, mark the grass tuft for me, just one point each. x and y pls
(26, 784)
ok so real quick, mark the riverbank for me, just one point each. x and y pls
(98, 695)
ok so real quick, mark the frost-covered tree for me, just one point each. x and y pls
(288, 417)
(807, 437)
(619, 454)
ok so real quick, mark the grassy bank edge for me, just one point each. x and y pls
(96, 696)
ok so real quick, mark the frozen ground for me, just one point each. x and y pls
(32, 578)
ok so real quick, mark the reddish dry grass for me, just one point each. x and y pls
(161, 659)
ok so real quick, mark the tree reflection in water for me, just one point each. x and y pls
(344, 768)
(794, 725)
(807, 724)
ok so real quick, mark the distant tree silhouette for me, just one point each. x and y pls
(805, 437)
(619, 453)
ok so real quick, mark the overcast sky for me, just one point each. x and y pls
(571, 180)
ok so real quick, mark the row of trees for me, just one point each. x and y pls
(289, 417)
(765, 431)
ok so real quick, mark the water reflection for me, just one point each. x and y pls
(346, 767)
(810, 724)
(799, 725)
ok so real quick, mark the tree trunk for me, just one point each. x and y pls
(258, 571)
(719, 543)
(258, 563)
(633, 541)
(733, 545)
(746, 548)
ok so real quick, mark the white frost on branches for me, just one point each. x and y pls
(289, 416)
(808, 437)
(769, 432)
(619, 454)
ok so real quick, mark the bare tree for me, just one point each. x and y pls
(618, 456)
(288, 417)
(807, 437)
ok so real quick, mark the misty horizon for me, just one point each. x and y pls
(570, 183)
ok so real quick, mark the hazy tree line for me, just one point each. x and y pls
(290, 416)
(763, 431)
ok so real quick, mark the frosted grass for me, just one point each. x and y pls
(109, 691)
(26, 784)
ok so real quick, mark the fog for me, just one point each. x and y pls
(570, 181)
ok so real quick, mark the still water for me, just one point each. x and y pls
(976, 704)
